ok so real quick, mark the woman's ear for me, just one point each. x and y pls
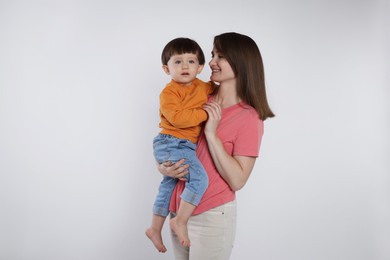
(165, 69)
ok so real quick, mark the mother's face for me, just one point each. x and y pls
(221, 71)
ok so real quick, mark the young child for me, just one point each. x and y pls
(181, 115)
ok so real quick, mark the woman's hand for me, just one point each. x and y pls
(214, 112)
(174, 170)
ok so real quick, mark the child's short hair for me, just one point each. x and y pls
(181, 46)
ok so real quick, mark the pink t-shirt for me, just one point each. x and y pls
(240, 131)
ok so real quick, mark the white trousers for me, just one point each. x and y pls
(211, 234)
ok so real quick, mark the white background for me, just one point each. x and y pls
(79, 86)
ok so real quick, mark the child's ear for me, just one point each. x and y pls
(165, 69)
(200, 68)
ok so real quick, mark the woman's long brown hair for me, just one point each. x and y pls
(245, 59)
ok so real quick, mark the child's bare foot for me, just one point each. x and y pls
(181, 232)
(155, 237)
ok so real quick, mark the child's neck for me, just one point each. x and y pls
(184, 84)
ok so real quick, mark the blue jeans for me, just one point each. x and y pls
(169, 148)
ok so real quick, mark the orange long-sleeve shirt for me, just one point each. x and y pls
(181, 111)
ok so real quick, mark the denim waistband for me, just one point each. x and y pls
(167, 136)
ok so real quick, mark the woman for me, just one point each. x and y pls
(228, 147)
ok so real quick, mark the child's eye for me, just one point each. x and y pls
(191, 61)
(177, 62)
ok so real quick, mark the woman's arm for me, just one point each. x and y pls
(234, 169)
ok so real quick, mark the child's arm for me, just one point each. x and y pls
(173, 109)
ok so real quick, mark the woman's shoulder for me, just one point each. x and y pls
(246, 110)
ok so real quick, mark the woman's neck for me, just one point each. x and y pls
(227, 96)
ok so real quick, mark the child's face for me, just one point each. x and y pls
(183, 68)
